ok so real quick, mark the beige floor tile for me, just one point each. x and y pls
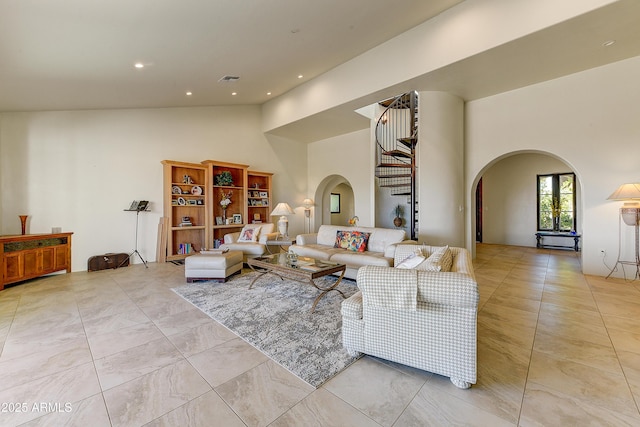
(150, 396)
(264, 393)
(106, 308)
(181, 322)
(115, 321)
(575, 331)
(201, 338)
(88, 412)
(64, 387)
(380, 392)
(226, 361)
(520, 290)
(498, 392)
(569, 314)
(134, 362)
(323, 409)
(50, 360)
(123, 339)
(625, 340)
(544, 406)
(593, 386)
(432, 408)
(600, 356)
(516, 302)
(203, 411)
(30, 341)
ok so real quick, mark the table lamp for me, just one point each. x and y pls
(283, 210)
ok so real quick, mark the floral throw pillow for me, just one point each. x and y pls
(355, 241)
(249, 234)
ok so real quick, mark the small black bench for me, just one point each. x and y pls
(575, 237)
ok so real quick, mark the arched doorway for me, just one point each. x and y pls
(509, 197)
(337, 185)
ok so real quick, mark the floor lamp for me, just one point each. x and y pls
(307, 203)
(630, 215)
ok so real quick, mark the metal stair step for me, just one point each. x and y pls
(398, 153)
(394, 165)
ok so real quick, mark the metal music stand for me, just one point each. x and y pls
(136, 207)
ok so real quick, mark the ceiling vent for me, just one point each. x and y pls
(229, 79)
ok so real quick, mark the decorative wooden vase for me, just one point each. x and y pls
(23, 223)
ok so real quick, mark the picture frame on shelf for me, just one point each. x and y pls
(219, 220)
(263, 194)
(237, 219)
(192, 202)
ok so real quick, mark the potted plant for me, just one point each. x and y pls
(397, 221)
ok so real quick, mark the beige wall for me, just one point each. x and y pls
(590, 121)
(78, 170)
(510, 201)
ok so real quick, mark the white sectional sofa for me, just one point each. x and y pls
(380, 247)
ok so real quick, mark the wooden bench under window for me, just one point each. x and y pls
(540, 235)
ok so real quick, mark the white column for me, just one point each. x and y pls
(440, 169)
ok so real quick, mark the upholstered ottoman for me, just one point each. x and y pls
(212, 266)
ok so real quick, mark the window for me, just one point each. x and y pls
(557, 202)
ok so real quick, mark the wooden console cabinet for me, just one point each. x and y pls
(32, 255)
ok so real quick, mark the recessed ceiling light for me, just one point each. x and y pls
(234, 93)
(139, 65)
(189, 93)
(609, 43)
(300, 76)
(268, 93)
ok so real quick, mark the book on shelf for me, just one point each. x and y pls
(185, 248)
(186, 224)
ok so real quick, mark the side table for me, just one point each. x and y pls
(282, 245)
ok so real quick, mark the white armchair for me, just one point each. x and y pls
(423, 319)
(250, 249)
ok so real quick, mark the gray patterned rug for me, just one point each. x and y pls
(274, 316)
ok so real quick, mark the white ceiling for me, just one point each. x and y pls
(80, 54)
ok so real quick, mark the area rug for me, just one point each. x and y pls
(274, 316)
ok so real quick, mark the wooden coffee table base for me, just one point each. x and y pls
(265, 268)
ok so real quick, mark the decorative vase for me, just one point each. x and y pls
(224, 216)
(23, 223)
(397, 221)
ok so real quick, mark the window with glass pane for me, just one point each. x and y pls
(556, 202)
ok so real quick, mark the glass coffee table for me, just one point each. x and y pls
(304, 268)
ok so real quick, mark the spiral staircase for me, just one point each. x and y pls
(396, 141)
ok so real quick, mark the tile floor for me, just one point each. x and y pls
(119, 348)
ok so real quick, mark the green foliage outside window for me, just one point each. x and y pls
(556, 202)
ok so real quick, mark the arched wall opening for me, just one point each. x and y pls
(336, 184)
(509, 203)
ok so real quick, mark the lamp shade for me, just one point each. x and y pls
(626, 192)
(630, 212)
(283, 209)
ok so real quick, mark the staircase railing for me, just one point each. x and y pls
(396, 140)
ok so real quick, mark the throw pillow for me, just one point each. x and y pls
(355, 241)
(412, 261)
(249, 233)
(440, 260)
